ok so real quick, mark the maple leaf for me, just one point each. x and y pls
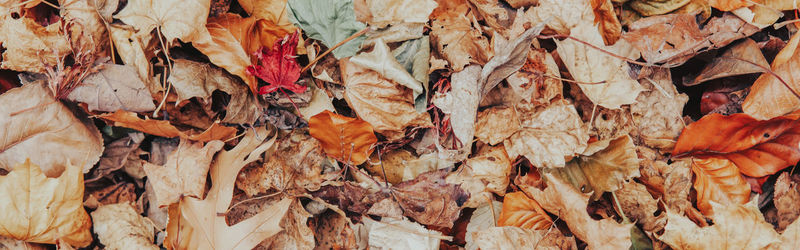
(278, 67)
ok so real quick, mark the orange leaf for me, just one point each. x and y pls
(757, 148)
(524, 212)
(718, 180)
(344, 138)
(728, 5)
(165, 129)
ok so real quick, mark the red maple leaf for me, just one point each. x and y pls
(278, 66)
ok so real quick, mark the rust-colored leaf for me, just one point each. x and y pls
(347, 139)
(718, 180)
(524, 212)
(165, 129)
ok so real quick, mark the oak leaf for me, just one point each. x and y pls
(521, 211)
(119, 226)
(346, 139)
(165, 129)
(184, 173)
(41, 209)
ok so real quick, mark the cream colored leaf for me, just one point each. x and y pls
(12, 244)
(790, 238)
(496, 124)
(509, 56)
(184, 173)
(89, 24)
(768, 96)
(381, 60)
(548, 135)
(27, 44)
(176, 19)
(385, 12)
(320, 101)
(605, 78)
(461, 103)
(43, 210)
(520, 238)
(485, 216)
(786, 199)
(742, 226)
(569, 205)
(296, 234)
(132, 49)
(297, 164)
(659, 127)
(119, 226)
(38, 127)
(384, 104)
(485, 173)
(401, 234)
(401, 165)
(530, 83)
(563, 15)
(115, 87)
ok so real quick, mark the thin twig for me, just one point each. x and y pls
(354, 36)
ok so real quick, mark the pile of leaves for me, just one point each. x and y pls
(399, 124)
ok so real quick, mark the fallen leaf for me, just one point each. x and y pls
(461, 103)
(273, 11)
(333, 231)
(401, 234)
(728, 5)
(569, 205)
(41, 209)
(734, 225)
(401, 165)
(193, 79)
(496, 124)
(10, 243)
(120, 193)
(718, 180)
(297, 164)
(115, 87)
(386, 12)
(381, 60)
(509, 56)
(657, 7)
(296, 234)
(384, 104)
(184, 20)
(199, 224)
(659, 127)
(535, 81)
(742, 58)
(639, 206)
(27, 44)
(346, 139)
(548, 135)
(484, 174)
(134, 51)
(329, 21)
(605, 170)
(119, 226)
(523, 212)
(278, 66)
(455, 38)
(769, 97)
(485, 216)
(791, 237)
(90, 23)
(430, 200)
(40, 128)
(165, 129)
(521, 238)
(787, 196)
(603, 78)
(184, 173)
(115, 155)
(606, 18)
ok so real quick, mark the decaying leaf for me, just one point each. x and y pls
(639, 206)
(483, 174)
(296, 165)
(346, 139)
(455, 38)
(165, 129)
(27, 44)
(329, 21)
(119, 226)
(115, 87)
(485, 216)
(496, 124)
(535, 81)
(402, 165)
(548, 135)
(564, 201)
(658, 127)
(509, 56)
(769, 97)
(401, 234)
(41, 209)
(273, 11)
(461, 103)
(430, 200)
(521, 211)
(385, 12)
(521, 238)
(787, 196)
(184, 173)
(38, 127)
(743, 58)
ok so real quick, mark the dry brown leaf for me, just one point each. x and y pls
(560, 199)
(606, 18)
(12, 244)
(116, 155)
(742, 58)
(165, 129)
(455, 38)
(184, 173)
(718, 180)
(119, 226)
(485, 216)
(199, 223)
(787, 197)
(659, 127)
(38, 127)
(548, 135)
(496, 15)
(346, 139)
(509, 56)
(769, 97)
(386, 105)
(115, 87)
(483, 174)
(728, 5)
(122, 192)
(603, 167)
(496, 124)
(401, 165)
(90, 23)
(740, 226)
(194, 79)
(521, 238)
(461, 103)
(27, 44)
(271, 10)
(639, 206)
(175, 19)
(521, 211)
(44, 210)
(297, 164)
(535, 81)
(604, 78)
(386, 12)
(134, 51)
(296, 234)
(430, 200)
(333, 230)
(382, 61)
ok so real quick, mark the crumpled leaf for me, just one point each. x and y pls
(430, 200)
(530, 82)
(656, 7)
(384, 104)
(297, 164)
(521, 238)
(329, 21)
(602, 171)
(786, 196)
(193, 79)
(569, 204)
(38, 127)
(604, 78)
(278, 66)
(89, 16)
(386, 12)
(523, 212)
(461, 103)
(27, 44)
(199, 223)
(346, 139)
(41, 209)
(184, 173)
(115, 87)
(401, 234)
(509, 56)
(738, 60)
(381, 60)
(455, 38)
(639, 206)
(768, 96)
(165, 129)
(116, 155)
(134, 51)
(401, 165)
(485, 216)
(495, 124)
(606, 19)
(119, 226)
(658, 127)
(737, 225)
(483, 174)
(176, 19)
(548, 135)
